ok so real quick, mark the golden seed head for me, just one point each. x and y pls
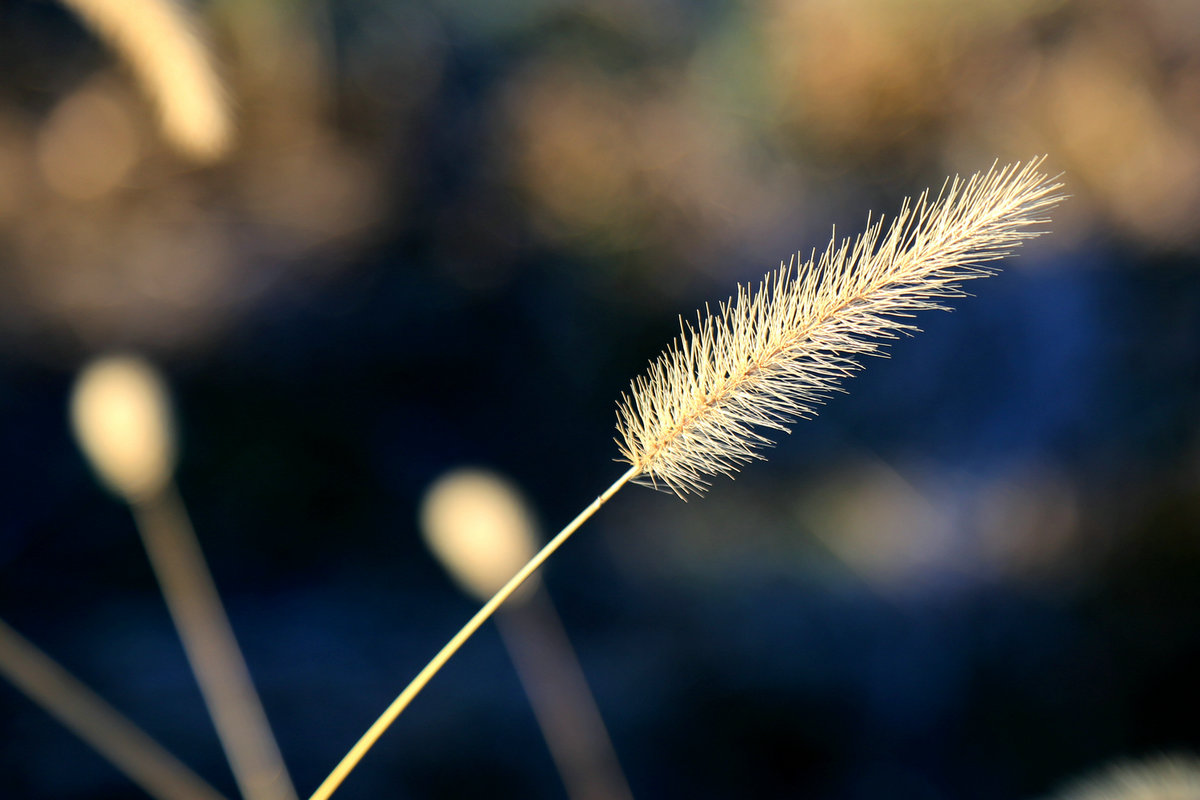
(769, 357)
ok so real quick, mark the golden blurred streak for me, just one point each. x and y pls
(158, 38)
(94, 721)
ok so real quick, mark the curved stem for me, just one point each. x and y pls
(330, 784)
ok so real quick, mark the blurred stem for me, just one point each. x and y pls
(563, 704)
(347, 764)
(211, 648)
(94, 721)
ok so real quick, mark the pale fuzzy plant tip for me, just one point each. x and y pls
(770, 356)
(160, 41)
(121, 417)
(479, 528)
(1175, 777)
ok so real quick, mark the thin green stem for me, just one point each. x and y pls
(330, 784)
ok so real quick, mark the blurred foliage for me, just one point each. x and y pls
(672, 136)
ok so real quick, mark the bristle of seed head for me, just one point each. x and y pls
(766, 358)
(1164, 777)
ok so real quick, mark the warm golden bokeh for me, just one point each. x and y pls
(122, 420)
(159, 41)
(117, 238)
(478, 526)
(617, 164)
(88, 145)
(1106, 89)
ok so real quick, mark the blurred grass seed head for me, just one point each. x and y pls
(477, 524)
(121, 417)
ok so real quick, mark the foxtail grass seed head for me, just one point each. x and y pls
(1175, 777)
(121, 417)
(767, 357)
(763, 359)
(479, 527)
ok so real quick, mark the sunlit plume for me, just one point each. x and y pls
(479, 528)
(122, 419)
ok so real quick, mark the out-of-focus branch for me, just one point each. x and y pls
(90, 718)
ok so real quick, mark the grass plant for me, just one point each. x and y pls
(480, 528)
(122, 419)
(767, 357)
